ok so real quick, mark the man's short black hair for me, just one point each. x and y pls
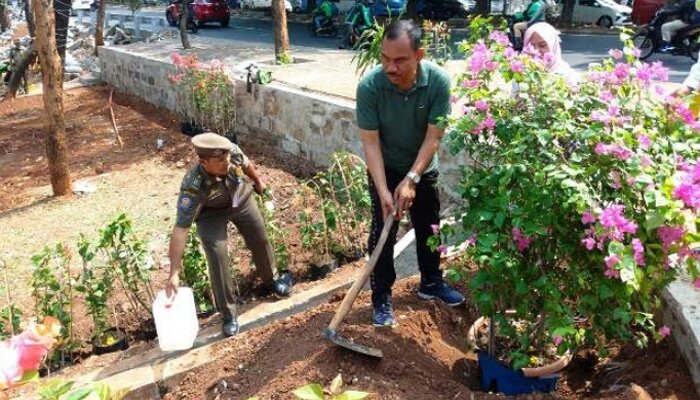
(398, 28)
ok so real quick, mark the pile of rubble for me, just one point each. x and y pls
(80, 59)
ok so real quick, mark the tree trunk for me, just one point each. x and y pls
(20, 70)
(483, 7)
(4, 16)
(29, 16)
(62, 10)
(184, 15)
(52, 76)
(100, 27)
(279, 16)
(567, 14)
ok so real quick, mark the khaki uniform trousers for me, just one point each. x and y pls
(212, 232)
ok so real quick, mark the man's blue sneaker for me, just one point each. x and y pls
(383, 315)
(441, 291)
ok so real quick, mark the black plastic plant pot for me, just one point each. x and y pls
(319, 269)
(354, 255)
(113, 339)
(190, 128)
(499, 378)
(206, 313)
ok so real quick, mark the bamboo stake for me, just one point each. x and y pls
(8, 297)
(114, 121)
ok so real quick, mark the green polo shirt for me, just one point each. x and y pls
(402, 118)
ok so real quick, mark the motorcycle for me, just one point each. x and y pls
(329, 27)
(648, 39)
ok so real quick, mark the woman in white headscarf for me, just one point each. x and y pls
(545, 39)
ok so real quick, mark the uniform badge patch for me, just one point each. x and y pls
(185, 203)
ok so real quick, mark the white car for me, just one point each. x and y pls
(258, 4)
(81, 4)
(605, 13)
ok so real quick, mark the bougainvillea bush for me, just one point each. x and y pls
(581, 200)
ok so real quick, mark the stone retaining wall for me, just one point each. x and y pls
(303, 123)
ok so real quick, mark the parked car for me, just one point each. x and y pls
(259, 4)
(204, 11)
(442, 9)
(383, 8)
(81, 4)
(605, 13)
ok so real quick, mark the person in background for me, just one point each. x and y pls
(534, 13)
(323, 13)
(359, 19)
(685, 15)
(544, 38)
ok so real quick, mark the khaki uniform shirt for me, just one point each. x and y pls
(203, 195)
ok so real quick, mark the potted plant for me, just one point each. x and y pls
(96, 284)
(206, 97)
(579, 201)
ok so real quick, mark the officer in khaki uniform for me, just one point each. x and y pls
(215, 191)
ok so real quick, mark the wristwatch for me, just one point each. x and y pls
(413, 176)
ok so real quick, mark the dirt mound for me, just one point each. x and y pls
(425, 357)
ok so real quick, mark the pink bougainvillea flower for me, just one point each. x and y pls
(621, 71)
(612, 260)
(638, 249)
(176, 58)
(644, 141)
(589, 243)
(615, 53)
(442, 249)
(613, 219)
(612, 273)
(489, 123)
(645, 160)
(697, 283)
(588, 218)
(435, 228)
(557, 340)
(500, 38)
(481, 105)
(522, 242)
(664, 331)
(606, 96)
(616, 150)
(670, 235)
(517, 66)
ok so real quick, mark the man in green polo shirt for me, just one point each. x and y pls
(400, 106)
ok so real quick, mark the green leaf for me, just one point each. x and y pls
(336, 385)
(616, 248)
(312, 391)
(654, 220)
(80, 394)
(31, 376)
(352, 395)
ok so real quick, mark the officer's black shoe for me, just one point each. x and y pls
(230, 326)
(282, 286)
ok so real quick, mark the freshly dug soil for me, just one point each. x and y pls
(425, 357)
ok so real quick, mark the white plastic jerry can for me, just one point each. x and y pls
(176, 320)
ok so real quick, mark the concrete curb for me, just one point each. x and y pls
(682, 315)
(150, 373)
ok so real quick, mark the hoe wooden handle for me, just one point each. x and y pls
(346, 305)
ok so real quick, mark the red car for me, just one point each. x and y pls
(204, 11)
